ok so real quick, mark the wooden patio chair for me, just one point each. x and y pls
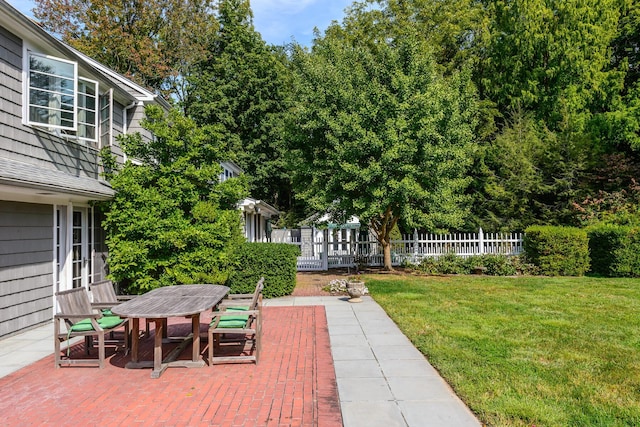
(80, 319)
(242, 301)
(237, 325)
(104, 296)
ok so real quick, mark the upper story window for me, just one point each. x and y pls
(229, 170)
(59, 99)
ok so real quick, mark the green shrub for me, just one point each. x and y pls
(557, 251)
(497, 265)
(615, 250)
(276, 262)
(452, 264)
(428, 265)
(494, 265)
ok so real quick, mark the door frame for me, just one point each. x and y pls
(63, 243)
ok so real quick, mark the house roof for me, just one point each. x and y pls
(258, 206)
(48, 182)
(323, 219)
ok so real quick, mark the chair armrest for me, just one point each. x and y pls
(101, 305)
(78, 316)
(239, 296)
(233, 313)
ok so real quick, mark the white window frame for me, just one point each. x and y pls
(96, 109)
(29, 88)
(64, 130)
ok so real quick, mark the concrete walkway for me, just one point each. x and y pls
(383, 380)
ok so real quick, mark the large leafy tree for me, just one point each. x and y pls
(171, 221)
(379, 133)
(242, 86)
(154, 42)
(454, 29)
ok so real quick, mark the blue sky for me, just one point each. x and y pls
(279, 21)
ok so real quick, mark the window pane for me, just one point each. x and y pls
(39, 115)
(89, 117)
(52, 66)
(87, 131)
(52, 83)
(38, 97)
(87, 112)
(66, 103)
(51, 91)
(88, 88)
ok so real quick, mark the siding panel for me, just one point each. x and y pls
(24, 143)
(26, 263)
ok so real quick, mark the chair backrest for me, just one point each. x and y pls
(103, 292)
(74, 302)
(257, 294)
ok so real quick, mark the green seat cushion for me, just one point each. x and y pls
(242, 308)
(238, 321)
(107, 312)
(108, 322)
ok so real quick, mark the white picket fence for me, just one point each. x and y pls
(321, 250)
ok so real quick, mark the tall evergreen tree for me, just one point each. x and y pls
(243, 86)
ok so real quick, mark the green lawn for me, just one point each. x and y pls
(527, 351)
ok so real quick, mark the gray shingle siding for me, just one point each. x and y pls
(41, 168)
(26, 265)
(24, 143)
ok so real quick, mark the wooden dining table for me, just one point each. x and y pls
(160, 304)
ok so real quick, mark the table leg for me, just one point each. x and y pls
(157, 345)
(195, 325)
(135, 339)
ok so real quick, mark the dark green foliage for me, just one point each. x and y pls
(452, 264)
(242, 86)
(276, 262)
(557, 250)
(379, 132)
(615, 250)
(498, 265)
(492, 265)
(170, 221)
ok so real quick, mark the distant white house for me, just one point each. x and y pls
(256, 214)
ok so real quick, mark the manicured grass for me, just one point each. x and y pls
(527, 351)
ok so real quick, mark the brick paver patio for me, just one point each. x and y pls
(294, 384)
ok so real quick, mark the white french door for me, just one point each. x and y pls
(73, 246)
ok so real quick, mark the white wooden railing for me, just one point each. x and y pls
(320, 250)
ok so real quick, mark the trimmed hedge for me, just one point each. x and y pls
(615, 250)
(276, 262)
(557, 251)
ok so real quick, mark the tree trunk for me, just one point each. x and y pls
(386, 246)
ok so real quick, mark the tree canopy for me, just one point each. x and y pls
(379, 133)
(153, 42)
(242, 85)
(524, 99)
(171, 220)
